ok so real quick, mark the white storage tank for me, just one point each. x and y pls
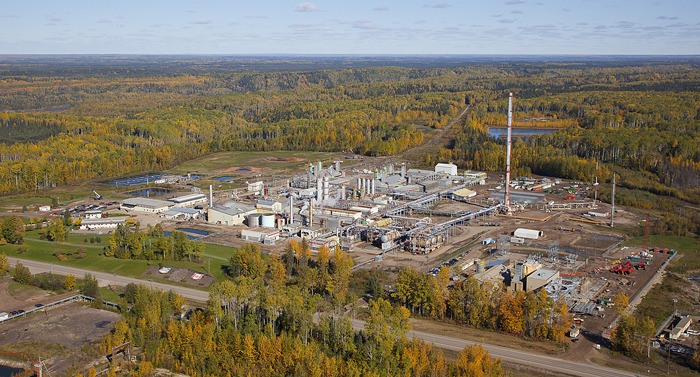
(268, 220)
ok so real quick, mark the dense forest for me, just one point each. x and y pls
(280, 317)
(639, 119)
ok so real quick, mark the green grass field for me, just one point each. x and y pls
(219, 162)
(34, 248)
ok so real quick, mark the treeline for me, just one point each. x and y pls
(268, 321)
(132, 243)
(482, 305)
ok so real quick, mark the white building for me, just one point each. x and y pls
(464, 193)
(529, 234)
(267, 205)
(189, 200)
(92, 214)
(44, 208)
(264, 235)
(177, 213)
(450, 169)
(475, 175)
(230, 213)
(145, 205)
(106, 223)
(256, 187)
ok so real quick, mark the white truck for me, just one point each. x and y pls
(4, 316)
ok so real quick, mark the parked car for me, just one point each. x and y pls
(39, 305)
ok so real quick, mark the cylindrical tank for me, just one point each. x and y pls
(268, 220)
(254, 219)
(480, 266)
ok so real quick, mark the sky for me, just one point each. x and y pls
(235, 27)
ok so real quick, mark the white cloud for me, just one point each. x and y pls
(437, 6)
(306, 7)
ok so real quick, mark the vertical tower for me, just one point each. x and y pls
(211, 196)
(508, 147)
(612, 205)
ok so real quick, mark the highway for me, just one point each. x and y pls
(508, 355)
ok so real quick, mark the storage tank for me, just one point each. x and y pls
(480, 266)
(268, 220)
(254, 219)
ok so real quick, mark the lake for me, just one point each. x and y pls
(9, 371)
(501, 132)
(194, 231)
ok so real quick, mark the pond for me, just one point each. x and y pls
(9, 371)
(244, 170)
(189, 236)
(501, 132)
(224, 178)
(151, 191)
(194, 231)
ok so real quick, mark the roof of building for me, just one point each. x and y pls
(187, 198)
(464, 192)
(685, 322)
(93, 211)
(445, 165)
(260, 230)
(543, 273)
(394, 179)
(519, 196)
(106, 220)
(233, 208)
(267, 202)
(189, 211)
(147, 202)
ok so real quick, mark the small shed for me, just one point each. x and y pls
(488, 241)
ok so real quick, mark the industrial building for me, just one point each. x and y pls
(230, 213)
(450, 169)
(106, 223)
(540, 278)
(145, 205)
(92, 214)
(263, 235)
(189, 200)
(476, 175)
(267, 205)
(522, 197)
(177, 213)
(529, 234)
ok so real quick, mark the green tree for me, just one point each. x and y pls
(247, 261)
(22, 274)
(4, 265)
(12, 230)
(90, 287)
(56, 231)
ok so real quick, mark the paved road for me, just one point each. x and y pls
(107, 278)
(514, 356)
(449, 343)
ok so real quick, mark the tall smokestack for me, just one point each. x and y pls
(311, 212)
(319, 189)
(508, 147)
(373, 186)
(337, 166)
(612, 205)
(211, 196)
(291, 210)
